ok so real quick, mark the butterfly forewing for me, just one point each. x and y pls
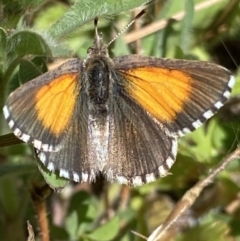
(73, 160)
(180, 94)
(40, 111)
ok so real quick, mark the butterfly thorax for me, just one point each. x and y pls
(97, 84)
(98, 81)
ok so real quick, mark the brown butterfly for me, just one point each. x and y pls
(119, 116)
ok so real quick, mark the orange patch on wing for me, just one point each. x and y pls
(55, 102)
(161, 92)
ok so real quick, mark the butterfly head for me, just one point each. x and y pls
(98, 48)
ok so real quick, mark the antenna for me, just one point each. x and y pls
(125, 28)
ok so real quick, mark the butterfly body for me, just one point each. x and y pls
(119, 116)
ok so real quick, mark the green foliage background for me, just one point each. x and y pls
(33, 34)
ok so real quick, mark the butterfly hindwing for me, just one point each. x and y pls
(73, 160)
(139, 150)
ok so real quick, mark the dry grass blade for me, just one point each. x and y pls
(154, 27)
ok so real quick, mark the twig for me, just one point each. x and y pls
(188, 199)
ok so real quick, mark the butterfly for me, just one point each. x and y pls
(117, 116)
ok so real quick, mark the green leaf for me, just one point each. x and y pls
(8, 189)
(187, 25)
(52, 179)
(31, 3)
(84, 206)
(107, 231)
(72, 224)
(27, 42)
(212, 229)
(128, 215)
(236, 89)
(27, 71)
(206, 141)
(3, 53)
(13, 169)
(40, 63)
(85, 10)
